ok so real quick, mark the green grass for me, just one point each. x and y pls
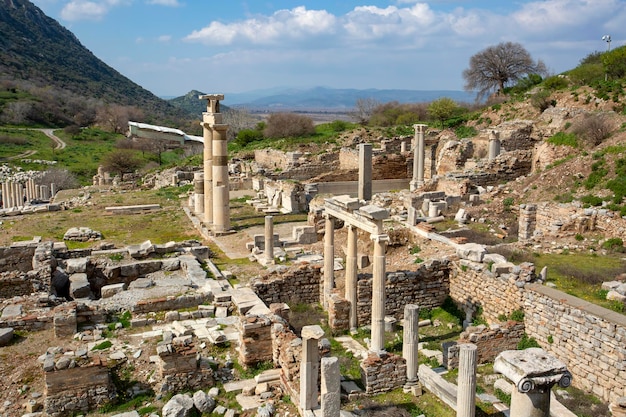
(564, 139)
(581, 275)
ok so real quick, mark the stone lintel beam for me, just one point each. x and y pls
(355, 218)
(374, 212)
(532, 369)
(346, 202)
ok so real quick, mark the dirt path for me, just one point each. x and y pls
(59, 142)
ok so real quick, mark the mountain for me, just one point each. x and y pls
(190, 103)
(37, 49)
(331, 98)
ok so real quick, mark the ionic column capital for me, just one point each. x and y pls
(382, 238)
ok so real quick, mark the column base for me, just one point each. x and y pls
(414, 185)
(414, 388)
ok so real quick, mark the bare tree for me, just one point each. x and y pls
(363, 109)
(284, 125)
(496, 66)
(237, 120)
(121, 161)
(115, 117)
(61, 178)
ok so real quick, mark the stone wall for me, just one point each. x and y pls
(338, 313)
(384, 372)
(255, 340)
(489, 341)
(287, 355)
(15, 284)
(300, 284)
(427, 286)
(181, 368)
(78, 390)
(496, 292)
(588, 338)
(16, 258)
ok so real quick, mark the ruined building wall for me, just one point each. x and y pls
(473, 286)
(588, 338)
(16, 259)
(15, 284)
(489, 341)
(428, 287)
(301, 284)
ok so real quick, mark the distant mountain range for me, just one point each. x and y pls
(333, 98)
(315, 99)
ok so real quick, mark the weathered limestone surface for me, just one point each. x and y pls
(255, 339)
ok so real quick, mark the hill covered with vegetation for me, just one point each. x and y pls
(50, 78)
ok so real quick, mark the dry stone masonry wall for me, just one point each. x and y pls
(427, 286)
(301, 284)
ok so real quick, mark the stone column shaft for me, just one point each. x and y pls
(330, 391)
(365, 171)
(269, 238)
(418, 157)
(309, 366)
(207, 134)
(466, 398)
(378, 294)
(221, 209)
(329, 259)
(20, 194)
(4, 195)
(494, 144)
(351, 275)
(410, 341)
(198, 190)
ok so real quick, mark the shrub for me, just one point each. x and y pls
(591, 200)
(246, 136)
(593, 128)
(466, 131)
(614, 244)
(285, 125)
(579, 237)
(556, 82)
(517, 315)
(527, 342)
(541, 100)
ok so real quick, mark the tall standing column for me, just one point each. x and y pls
(378, 294)
(418, 157)
(269, 239)
(351, 275)
(365, 171)
(330, 388)
(466, 398)
(309, 366)
(221, 192)
(410, 341)
(329, 259)
(20, 194)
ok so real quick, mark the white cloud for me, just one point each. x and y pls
(164, 38)
(89, 10)
(169, 3)
(295, 24)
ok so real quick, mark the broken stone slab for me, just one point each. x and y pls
(238, 386)
(141, 283)
(12, 310)
(203, 402)
(76, 265)
(79, 286)
(6, 335)
(178, 405)
(312, 332)
(109, 291)
(133, 413)
(268, 376)
(471, 251)
(374, 212)
(142, 250)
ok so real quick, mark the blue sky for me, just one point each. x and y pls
(173, 46)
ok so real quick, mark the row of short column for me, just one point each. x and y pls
(215, 193)
(14, 193)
